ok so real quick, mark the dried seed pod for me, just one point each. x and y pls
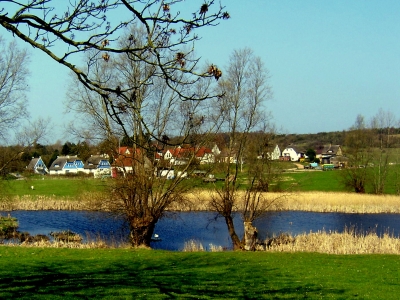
(204, 9)
(217, 74)
(188, 28)
(180, 56)
(105, 56)
(225, 15)
(211, 69)
(105, 43)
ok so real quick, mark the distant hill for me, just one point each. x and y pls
(311, 140)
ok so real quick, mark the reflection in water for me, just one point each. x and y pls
(177, 228)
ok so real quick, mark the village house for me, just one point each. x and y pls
(98, 165)
(292, 153)
(182, 156)
(64, 165)
(327, 154)
(126, 159)
(275, 154)
(37, 166)
(227, 156)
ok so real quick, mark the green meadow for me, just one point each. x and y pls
(302, 181)
(61, 273)
(52, 186)
(45, 273)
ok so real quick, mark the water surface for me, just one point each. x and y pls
(177, 228)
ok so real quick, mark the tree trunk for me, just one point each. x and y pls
(237, 245)
(250, 236)
(140, 235)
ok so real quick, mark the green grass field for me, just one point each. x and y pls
(324, 181)
(44, 273)
(50, 186)
(328, 181)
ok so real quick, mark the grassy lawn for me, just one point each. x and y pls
(38, 273)
(323, 181)
(50, 186)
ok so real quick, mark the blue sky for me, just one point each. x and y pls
(329, 60)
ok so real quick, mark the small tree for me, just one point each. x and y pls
(359, 142)
(245, 89)
(13, 86)
(311, 154)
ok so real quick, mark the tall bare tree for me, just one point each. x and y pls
(384, 122)
(13, 86)
(26, 137)
(359, 142)
(148, 106)
(245, 88)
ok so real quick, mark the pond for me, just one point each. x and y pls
(177, 228)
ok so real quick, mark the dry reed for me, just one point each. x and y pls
(311, 201)
(193, 246)
(200, 201)
(196, 246)
(347, 242)
(342, 202)
(60, 244)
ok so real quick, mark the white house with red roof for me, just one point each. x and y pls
(182, 155)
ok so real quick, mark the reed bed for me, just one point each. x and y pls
(309, 201)
(348, 242)
(200, 201)
(342, 202)
(61, 244)
(196, 246)
(87, 201)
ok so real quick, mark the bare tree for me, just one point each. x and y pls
(149, 49)
(359, 142)
(245, 88)
(146, 114)
(27, 137)
(13, 85)
(382, 125)
(383, 122)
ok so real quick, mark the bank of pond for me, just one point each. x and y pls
(177, 228)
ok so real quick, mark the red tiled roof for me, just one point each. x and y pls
(184, 152)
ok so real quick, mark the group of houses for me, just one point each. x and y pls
(99, 165)
(123, 161)
(328, 154)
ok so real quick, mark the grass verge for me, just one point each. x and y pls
(44, 273)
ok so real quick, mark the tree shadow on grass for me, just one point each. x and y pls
(179, 277)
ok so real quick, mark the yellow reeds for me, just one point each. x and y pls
(200, 201)
(342, 202)
(340, 243)
(312, 201)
